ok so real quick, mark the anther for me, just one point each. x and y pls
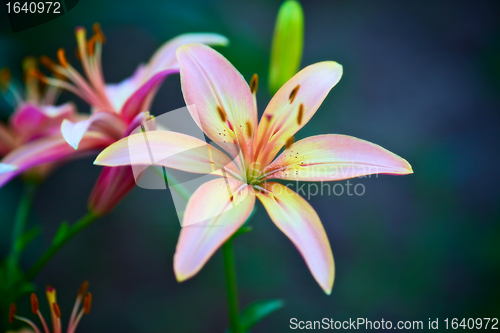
(254, 84)
(249, 129)
(300, 115)
(98, 33)
(87, 303)
(294, 93)
(37, 74)
(83, 289)
(5, 77)
(91, 45)
(289, 142)
(34, 304)
(61, 56)
(222, 113)
(57, 310)
(48, 63)
(12, 313)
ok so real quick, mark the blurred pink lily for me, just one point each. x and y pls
(32, 138)
(117, 109)
(227, 113)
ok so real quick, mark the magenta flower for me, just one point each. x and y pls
(224, 106)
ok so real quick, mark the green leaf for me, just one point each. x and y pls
(61, 233)
(27, 238)
(257, 311)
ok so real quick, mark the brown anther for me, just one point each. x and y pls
(300, 115)
(61, 56)
(87, 303)
(12, 313)
(34, 303)
(5, 77)
(57, 310)
(222, 113)
(289, 142)
(48, 63)
(91, 45)
(98, 33)
(294, 93)
(83, 289)
(37, 74)
(249, 129)
(254, 84)
(231, 198)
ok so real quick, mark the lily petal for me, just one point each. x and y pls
(214, 213)
(111, 187)
(141, 99)
(293, 105)
(31, 121)
(224, 107)
(335, 157)
(104, 121)
(295, 217)
(166, 148)
(165, 57)
(4, 168)
(49, 149)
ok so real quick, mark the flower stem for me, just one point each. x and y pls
(232, 291)
(22, 215)
(58, 243)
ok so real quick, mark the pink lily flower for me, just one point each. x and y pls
(33, 127)
(82, 307)
(226, 111)
(117, 109)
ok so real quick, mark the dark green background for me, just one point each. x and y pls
(421, 78)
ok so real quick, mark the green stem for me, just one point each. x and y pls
(232, 291)
(57, 244)
(22, 215)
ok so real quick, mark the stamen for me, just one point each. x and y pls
(83, 289)
(5, 77)
(294, 93)
(222, 113)
(98, 33)
(300, 114)
(254, 84)
(61, 56)
(37, 74)
(87, 303)
(12, 313)
(48, 63)
(91, 45)
(289, 142)
(249, 129)
(57, 310)
(34, 304)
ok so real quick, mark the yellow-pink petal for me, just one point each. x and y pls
(166, 148)
(214, 213)
(293, 105)
(295, 217)
(335, 157)
(218, 97)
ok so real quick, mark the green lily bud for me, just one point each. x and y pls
(288, 41)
